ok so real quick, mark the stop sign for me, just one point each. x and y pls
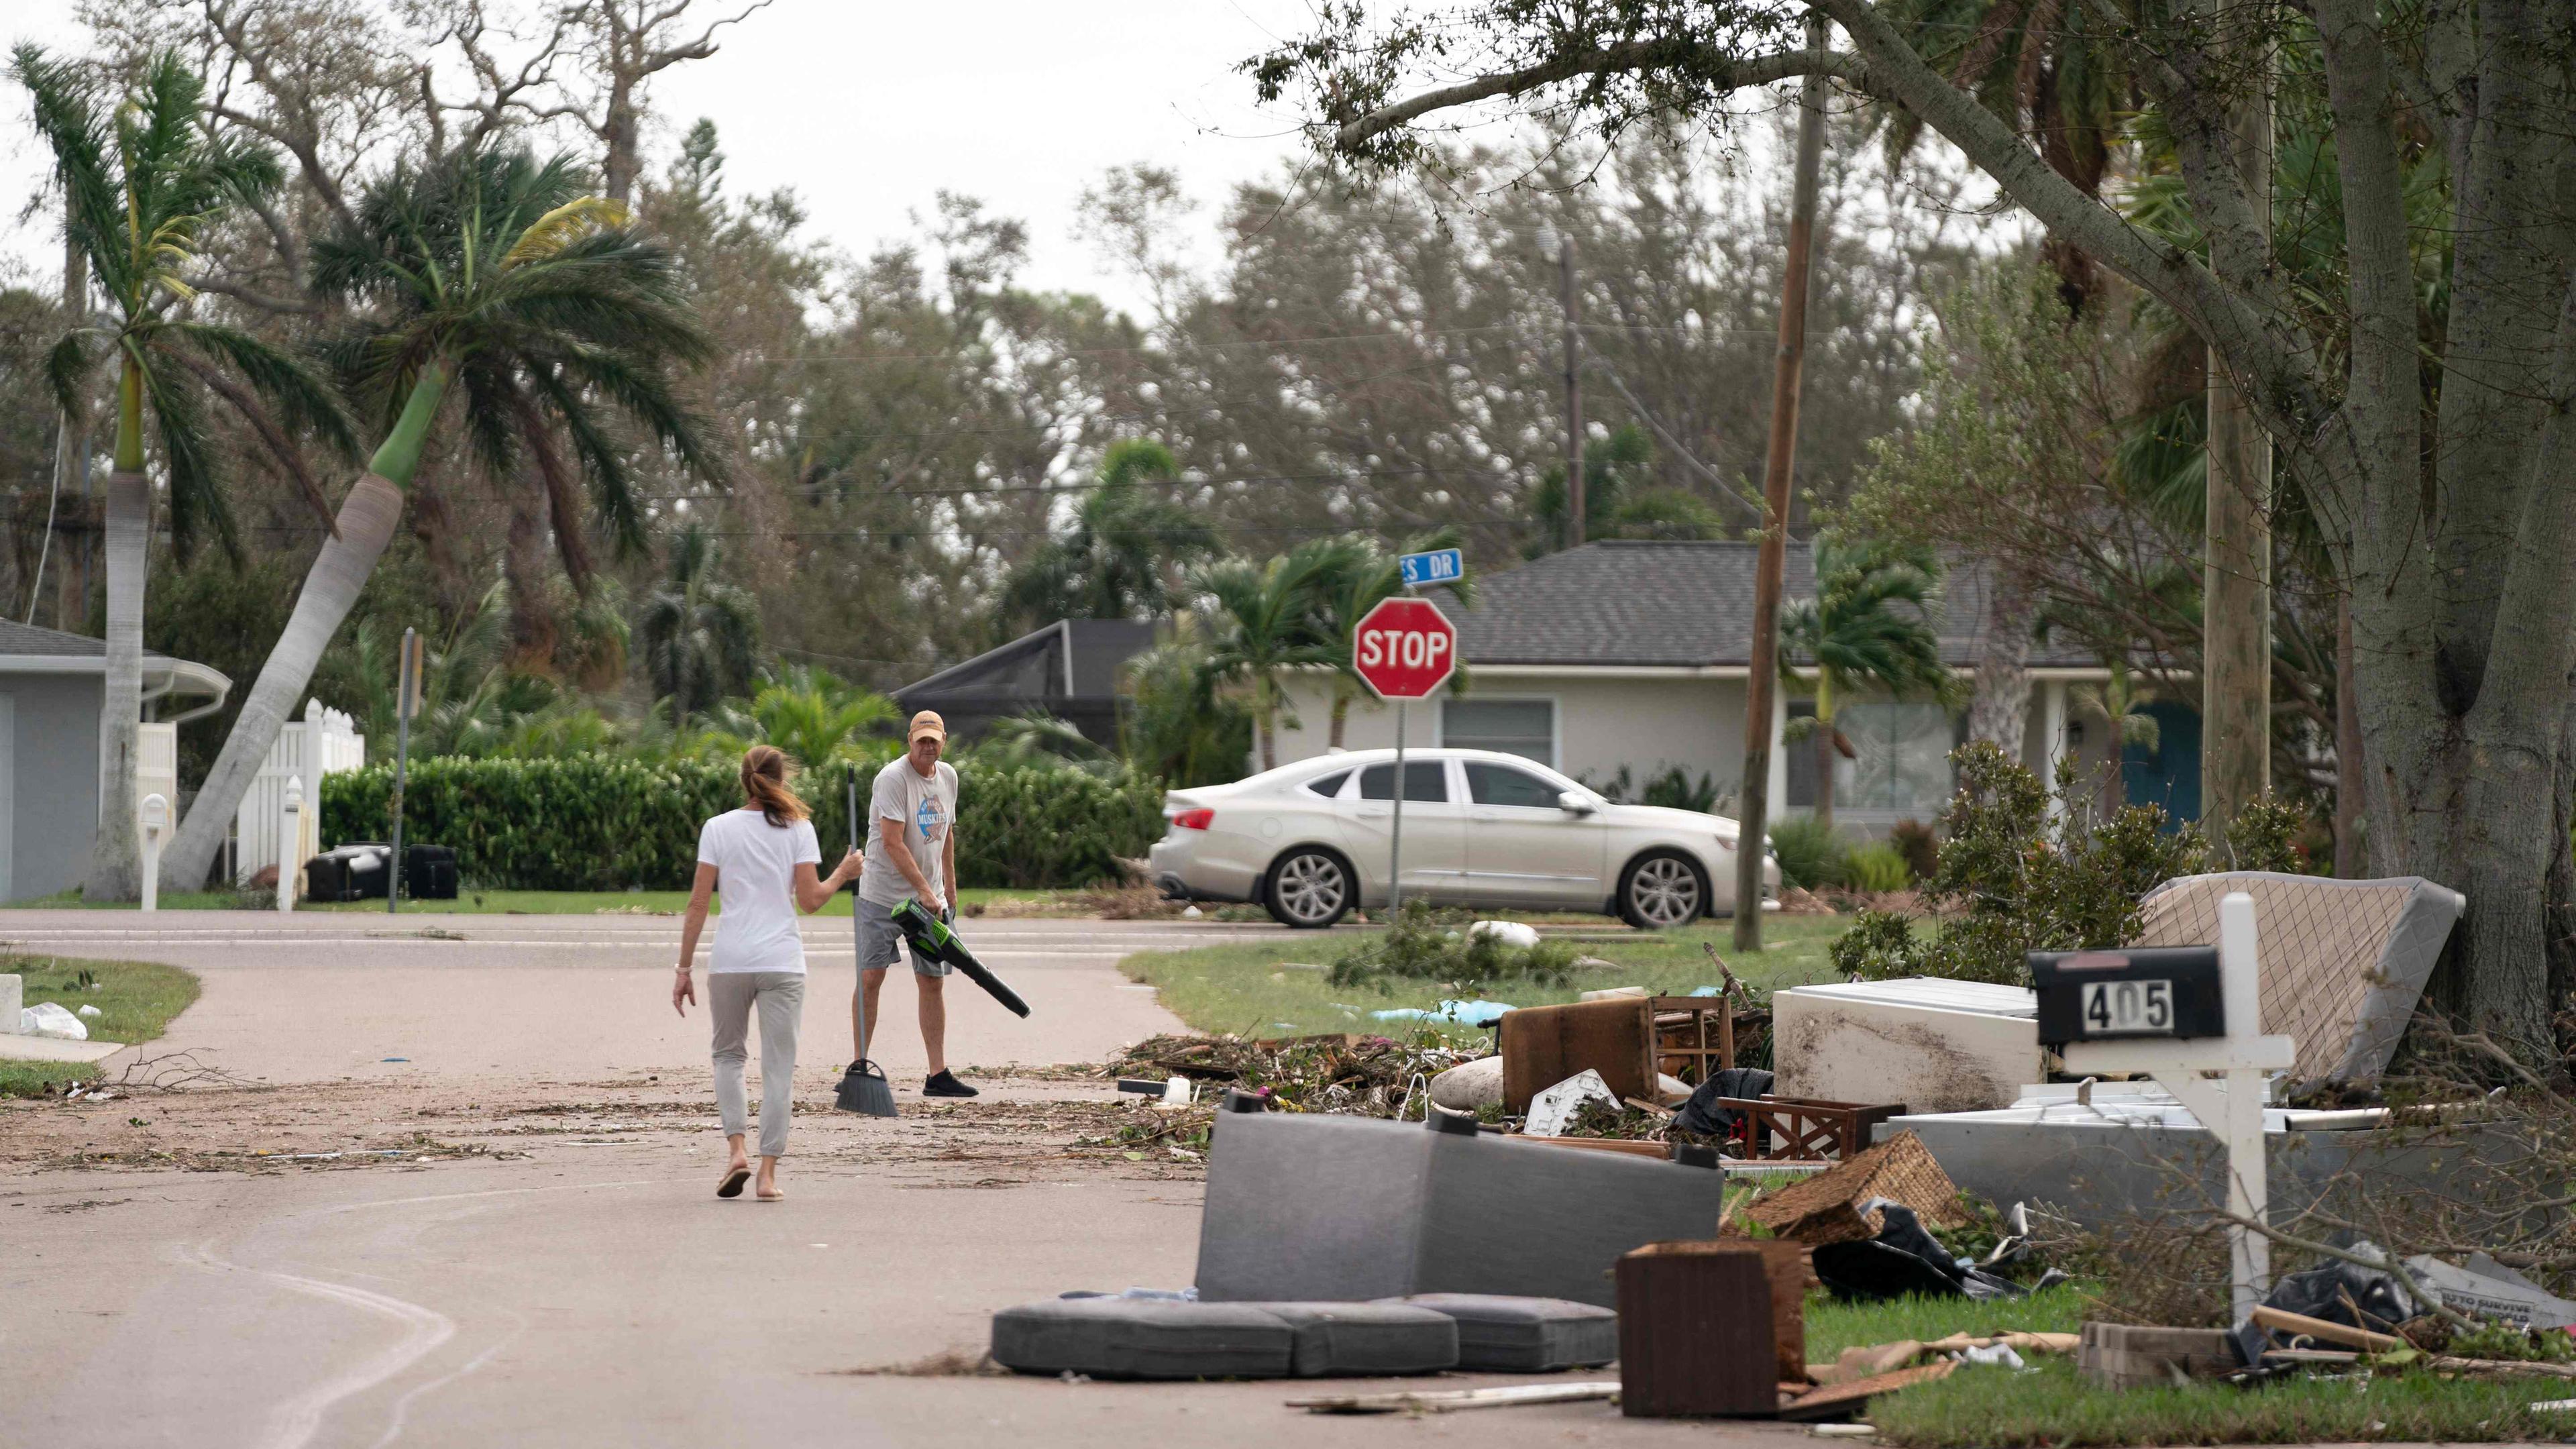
(1405, 648)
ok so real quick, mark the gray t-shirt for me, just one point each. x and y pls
(927, 810)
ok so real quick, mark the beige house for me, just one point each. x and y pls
(1619, 661)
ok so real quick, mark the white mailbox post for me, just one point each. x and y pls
(289, 841)
(156, 820)
(2220, 1079)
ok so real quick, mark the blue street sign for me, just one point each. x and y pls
(1440, 566)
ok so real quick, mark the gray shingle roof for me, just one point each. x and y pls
(1640, 602)
(20, 639)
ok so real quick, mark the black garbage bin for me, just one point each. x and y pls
(356, 871)
(429, 872)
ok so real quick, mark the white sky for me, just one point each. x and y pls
(869, 108)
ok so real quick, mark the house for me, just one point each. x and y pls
(51, 688)
(1632, 656)
(1070, 669)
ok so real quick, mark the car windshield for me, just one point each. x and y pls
(1490, 784)
(1424, 780)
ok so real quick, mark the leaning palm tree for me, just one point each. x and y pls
(1265, 623)
(498, 277)
(1866, 626)
(143, 182)
(701, 634)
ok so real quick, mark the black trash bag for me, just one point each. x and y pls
(1903, 1259)
(2322, 1292)
(1701, 1116)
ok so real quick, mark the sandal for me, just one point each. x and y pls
(734, 1178)
(773, 1195)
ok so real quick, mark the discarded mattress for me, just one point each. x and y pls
(2344, 961)
(1525, 1335)
(1162, 1338)
(1308, 1207)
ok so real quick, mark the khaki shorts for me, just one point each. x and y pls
(881, 940)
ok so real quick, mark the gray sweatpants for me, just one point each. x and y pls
(781, 995)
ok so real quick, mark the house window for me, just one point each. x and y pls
(1523, 727)
(1903, 764)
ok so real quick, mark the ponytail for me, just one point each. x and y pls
(764, 786)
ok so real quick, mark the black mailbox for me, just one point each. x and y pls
(2142, 992)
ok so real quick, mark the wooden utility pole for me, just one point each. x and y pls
(1761, 685)
(1571, 303)
(2236, 590)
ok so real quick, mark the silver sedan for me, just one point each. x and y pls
(1312, 840)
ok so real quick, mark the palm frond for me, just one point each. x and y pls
(559, 228)
(68, 366)
(74, 126)
(303, 397)
(197, 500)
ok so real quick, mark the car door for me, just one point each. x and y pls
(1523, 847)
(1435, 830)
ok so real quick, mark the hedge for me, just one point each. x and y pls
(593, 822)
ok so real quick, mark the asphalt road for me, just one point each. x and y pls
(573, 1281)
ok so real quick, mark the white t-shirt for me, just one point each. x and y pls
(755, 865)
(926, 808)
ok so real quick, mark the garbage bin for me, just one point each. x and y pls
(429, 872)
(356, 871)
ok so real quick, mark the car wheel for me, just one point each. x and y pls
(1662, 890)
(1309, 888)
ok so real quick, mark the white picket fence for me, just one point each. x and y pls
(325, 742)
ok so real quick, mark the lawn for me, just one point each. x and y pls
(1993, 1408)
(135, 999)
(1276, 987)
(491, 903)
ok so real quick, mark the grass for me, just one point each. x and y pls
(487, 903)
(135, 999)
(1989, 1408)
(1266, 988)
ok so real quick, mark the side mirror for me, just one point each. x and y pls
(1573, 802)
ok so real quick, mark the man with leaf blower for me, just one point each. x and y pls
(914, 805)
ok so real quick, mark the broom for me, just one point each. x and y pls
(864, 1088)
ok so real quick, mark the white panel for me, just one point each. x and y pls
(1932, 1059)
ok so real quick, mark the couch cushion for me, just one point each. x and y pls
(1336, 1340)
(1525, 1335)
(1139, 1338)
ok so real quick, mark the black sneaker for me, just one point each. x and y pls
(947, 1085)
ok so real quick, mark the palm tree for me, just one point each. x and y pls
(1266, 622)
(821, 720)
(1122, 557)
(701, 634)
(1858, 631)
(2120, 702)
(1357, 576)
(500, 277)
(142, 186)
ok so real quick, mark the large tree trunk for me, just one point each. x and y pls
(1825, 757)
(2352, 859)
(1999, 711)
(1341, 714)
(331, 588)
(116, 855)
(533, 632)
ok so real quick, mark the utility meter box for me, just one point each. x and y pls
(2146, 991)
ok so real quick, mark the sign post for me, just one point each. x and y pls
(406, 704)
(156, 819)
(1403, 649)
(2218, 1076)
(290, 844)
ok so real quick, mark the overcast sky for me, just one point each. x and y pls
(868, 109)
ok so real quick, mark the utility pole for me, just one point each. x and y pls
(2236, 588)
(1763, 682)
(1571, 302)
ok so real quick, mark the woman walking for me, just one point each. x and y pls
(761, 858)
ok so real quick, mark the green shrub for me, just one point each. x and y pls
(1877, 868)
(1811, 855)
(2017, 878)
(1429, 944)
(597, 822)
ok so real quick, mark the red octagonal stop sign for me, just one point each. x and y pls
(1405, 648)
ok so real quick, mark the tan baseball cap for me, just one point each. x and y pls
(928, 723)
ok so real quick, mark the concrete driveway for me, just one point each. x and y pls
(510, 1238)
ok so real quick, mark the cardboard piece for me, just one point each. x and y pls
(1836, 1400)
(2485, 1288)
